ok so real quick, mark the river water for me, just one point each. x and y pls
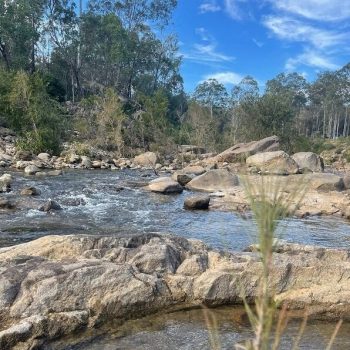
(93, 202)
(112, 203)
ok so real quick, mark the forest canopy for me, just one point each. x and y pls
(111, 75)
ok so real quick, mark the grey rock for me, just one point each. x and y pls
(309, 162)
(50, 205)
(197, 202)
(31, 169)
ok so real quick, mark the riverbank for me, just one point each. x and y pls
(64, 284)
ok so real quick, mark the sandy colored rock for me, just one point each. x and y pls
(165, 185)
(30, 191)
(213, 181)
(277, 163)
(148, 159)
(326, 182)
(55, 285)
(31, 169)
(309, 162)
(241, 151)
(194, 170)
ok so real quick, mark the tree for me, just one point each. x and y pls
(211, 94)
(20, 22)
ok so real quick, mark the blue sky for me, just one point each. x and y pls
(228, 39)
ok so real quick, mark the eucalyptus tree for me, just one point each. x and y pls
(20, 26)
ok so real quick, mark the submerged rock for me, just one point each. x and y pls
(72, 282)
(50, 205)
(30, 191)
(6, 204)
(165, 185)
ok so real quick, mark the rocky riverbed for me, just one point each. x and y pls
(80, 248)
(58, 285)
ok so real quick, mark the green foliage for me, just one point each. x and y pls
(101, 121)
(31, 112)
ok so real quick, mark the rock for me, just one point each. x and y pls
(55, 172)
(241, 151)
(191, 149)
(276, 163)
(148, 159)
(6, 204)
(56, 285)
(326, 182)
(96, 164)
(346, 181)
(30, 191)
(309, 162)
(45, 157)
(165, 185)
(31, 169)
(24, 155)
(50, 205)
(213, 181)
(86, 162)
(73, 158)
(197, 202)
(22, 164)
(182, 178)
(5, 183)
(194, 170)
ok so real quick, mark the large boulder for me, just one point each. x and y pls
(276, 163)
(56, 285)
(326, 182)
(241, 151)
(213, 181)
(148, 160)
(197, 202)
(165, 185)
(309, 162)
(194, 170)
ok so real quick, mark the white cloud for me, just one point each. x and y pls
(209, 6)
(230, 78)
(232, 8)
(258, 43)
(322, 10)
(206, 51)
(294, 30)
(310, 58)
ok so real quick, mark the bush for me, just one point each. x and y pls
(29, 110)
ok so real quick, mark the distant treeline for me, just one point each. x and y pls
(110, 74)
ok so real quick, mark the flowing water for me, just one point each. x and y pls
(94, 202)
(112, 203)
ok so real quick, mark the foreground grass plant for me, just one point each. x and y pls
(271, 200)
